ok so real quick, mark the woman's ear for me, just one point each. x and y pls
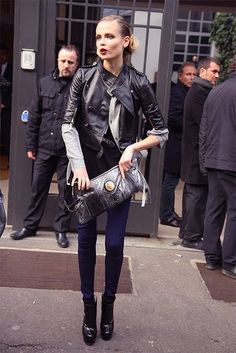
(126, 41)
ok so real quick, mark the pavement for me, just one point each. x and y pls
(169, 311)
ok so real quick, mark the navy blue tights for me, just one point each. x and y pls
(114, 244)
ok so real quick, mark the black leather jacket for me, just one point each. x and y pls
(90, 96)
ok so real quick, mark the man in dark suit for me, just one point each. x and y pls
(217, 144)
(196, 186)
(186, 74)
(6, 72)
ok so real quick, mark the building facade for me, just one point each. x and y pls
(41, 26)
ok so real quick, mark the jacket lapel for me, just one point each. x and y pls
(120, 88)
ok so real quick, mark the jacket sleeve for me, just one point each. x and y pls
(69, 132)
(33, 125)
(152, 112)
(76, 92)
(202, 140)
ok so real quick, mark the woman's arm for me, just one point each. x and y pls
(75, 155)
(156, 136)
(71, 137)
(126, 159)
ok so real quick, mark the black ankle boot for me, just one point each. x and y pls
(89, 327)
(107, 319)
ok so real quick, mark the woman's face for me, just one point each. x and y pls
(109, 41)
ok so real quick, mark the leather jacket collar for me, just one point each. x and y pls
(118, 87)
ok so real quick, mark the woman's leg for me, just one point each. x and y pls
(87, 237)
(115, 232)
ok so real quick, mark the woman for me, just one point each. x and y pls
(100, 131)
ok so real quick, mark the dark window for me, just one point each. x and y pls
(193, 39)
(78, 12)
(182, 26)
(208, 16)
(180, 38)
(94, 13)
(195, 15)
(189, 58)
(77, 32)
(61, 33)
(206, 27)
(179, 48)
(205, 50)
(192, 49)
(179, 58)
(204, 40)
(91, 54)
(194, 27)
(183, 14)
(175, 67)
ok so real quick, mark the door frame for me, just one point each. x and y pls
(37, 23)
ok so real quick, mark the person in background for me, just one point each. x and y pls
(6, 95)
(172, 162)
(5, 86)
(107, 97)
(217, 147)
(45, 146)
(196, 187)
(2, 215)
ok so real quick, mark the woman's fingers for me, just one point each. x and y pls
(122, 172)
(81, 178)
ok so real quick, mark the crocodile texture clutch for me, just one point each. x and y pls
(106, 191)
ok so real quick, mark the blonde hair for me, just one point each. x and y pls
(125, 31)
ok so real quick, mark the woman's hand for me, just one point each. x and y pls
(125, 162)
(81, 176)
(31, 155)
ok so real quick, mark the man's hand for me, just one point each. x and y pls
(31, 155)
(82, 178)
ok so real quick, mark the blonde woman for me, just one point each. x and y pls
(105, 98)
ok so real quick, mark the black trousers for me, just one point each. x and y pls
(221, 199)
(167, 205)
(194, 201)
(42, 176)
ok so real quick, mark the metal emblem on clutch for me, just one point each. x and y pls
(109, 185)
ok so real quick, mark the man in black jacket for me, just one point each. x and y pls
(45, 146)
(217, 146)
(195, 187)
(186, 74)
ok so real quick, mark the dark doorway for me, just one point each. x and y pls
(6, 70)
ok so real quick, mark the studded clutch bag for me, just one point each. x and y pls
(106, 191)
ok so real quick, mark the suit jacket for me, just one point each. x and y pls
(218, 128)
(175, 125)
(193, 108)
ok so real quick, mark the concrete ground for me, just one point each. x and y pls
(169, 311)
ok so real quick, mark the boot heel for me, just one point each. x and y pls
(89, 328)
(107, 321)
